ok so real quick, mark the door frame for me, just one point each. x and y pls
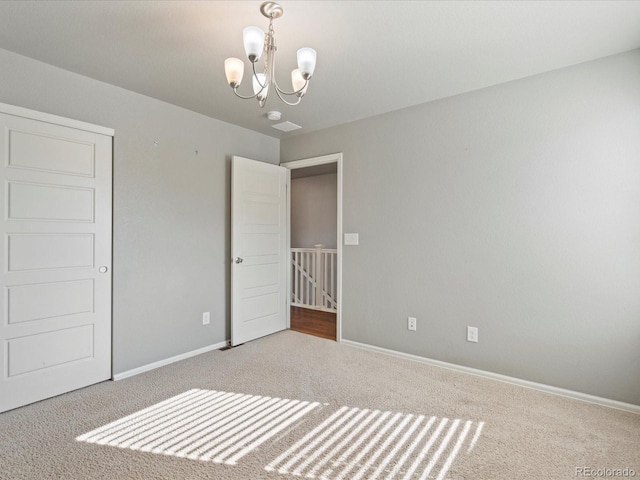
(311, 162)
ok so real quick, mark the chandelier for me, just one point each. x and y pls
(257, 43)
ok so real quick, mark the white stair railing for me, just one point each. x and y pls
(314, 278)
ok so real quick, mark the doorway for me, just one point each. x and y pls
(317, 267)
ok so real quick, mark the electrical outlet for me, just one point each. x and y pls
(411, 323)
(472, 334)
(206, 318)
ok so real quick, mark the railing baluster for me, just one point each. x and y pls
(306, 265)
(329, 289)
(296, 275)
(333, 276)
(301, 279)
(318, 280)
(300, 299)
(293, 277)
(324, 279)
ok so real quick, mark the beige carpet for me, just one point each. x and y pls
(295, 406)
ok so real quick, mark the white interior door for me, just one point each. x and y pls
(259, 249)
(55, 335)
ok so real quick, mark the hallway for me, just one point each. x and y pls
(314, 322)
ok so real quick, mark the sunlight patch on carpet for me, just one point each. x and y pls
(200, 424)
(355, 443)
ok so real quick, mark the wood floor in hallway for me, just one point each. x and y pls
(313, 322)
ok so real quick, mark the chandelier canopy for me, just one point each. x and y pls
(257, 43)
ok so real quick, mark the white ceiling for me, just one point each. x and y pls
(373, 56)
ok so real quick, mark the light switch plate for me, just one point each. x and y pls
(351, 239)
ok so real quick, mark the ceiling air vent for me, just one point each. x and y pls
(286, 126)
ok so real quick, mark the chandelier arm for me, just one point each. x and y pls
(266, 78)
(235, 87)
(273, 79)
(269, 61)
(235, 90)
(284, 100)
(278, 89)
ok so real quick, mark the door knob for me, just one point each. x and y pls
(103, 269)
(237, 260)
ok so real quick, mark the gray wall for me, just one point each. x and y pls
(171, 207)
(515, 209)
(314, 203)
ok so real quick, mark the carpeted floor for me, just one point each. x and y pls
(291, 405)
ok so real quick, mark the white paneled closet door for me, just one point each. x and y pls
(55, 334)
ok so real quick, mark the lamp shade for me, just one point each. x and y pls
(298, 82)
(306, 61)
(234, 69)
(253, 39)
(257, 85)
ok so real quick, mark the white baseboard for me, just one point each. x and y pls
(629, 407)
(167, 361)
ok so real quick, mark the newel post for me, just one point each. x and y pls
(319, 274)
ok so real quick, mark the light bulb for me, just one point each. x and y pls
(298, 82)
(234, 69)
(307, 61)
(257, 86)
(253, 39)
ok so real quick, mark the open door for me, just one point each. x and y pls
(258, 249)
